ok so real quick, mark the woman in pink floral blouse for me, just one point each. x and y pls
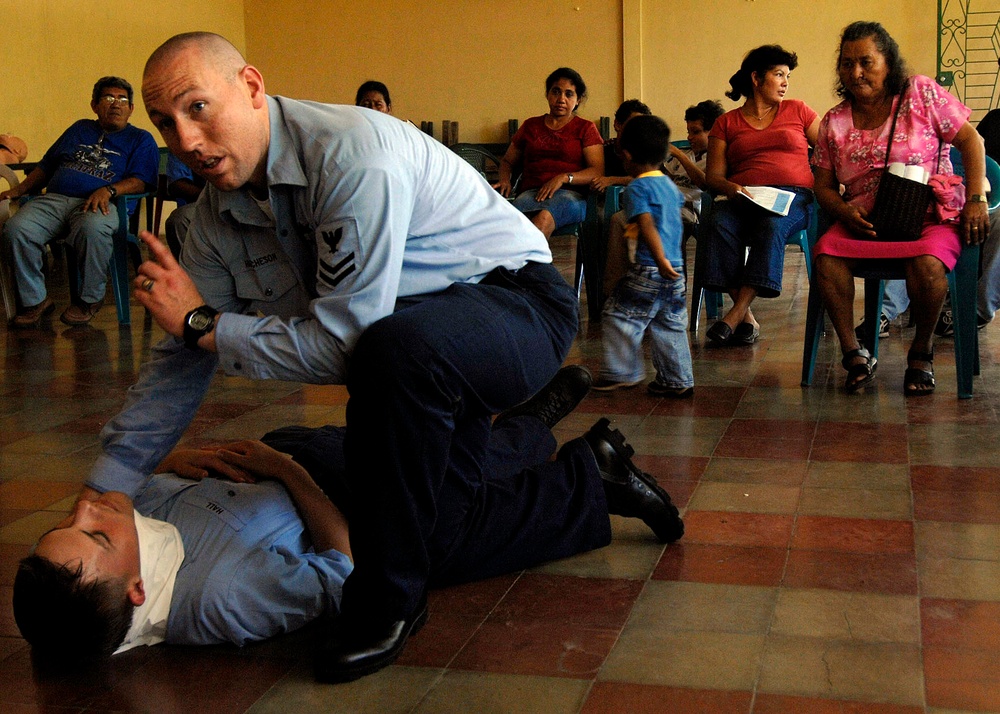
(851, 151)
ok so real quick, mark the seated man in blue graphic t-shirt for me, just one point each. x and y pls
(91, 163)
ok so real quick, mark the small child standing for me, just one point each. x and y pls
(651, 295)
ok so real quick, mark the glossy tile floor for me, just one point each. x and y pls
(841, 553)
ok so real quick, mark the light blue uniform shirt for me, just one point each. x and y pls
(249, 571)
(367, 209)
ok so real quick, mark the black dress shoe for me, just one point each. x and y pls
(352, 652)
(556, 399)
(631, 492)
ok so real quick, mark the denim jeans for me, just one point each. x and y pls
(896, 299)
(567, 207)
(645, 299)
(38, 222)
(988, 297)
(746, 244)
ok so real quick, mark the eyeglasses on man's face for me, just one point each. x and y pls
(111, 99)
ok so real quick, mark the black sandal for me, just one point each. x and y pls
(720, 333)
(865, 370)
(914, 377)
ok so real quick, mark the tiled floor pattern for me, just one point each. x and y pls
(841, 554)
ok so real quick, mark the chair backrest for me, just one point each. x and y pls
(480, 159)
(992, 176)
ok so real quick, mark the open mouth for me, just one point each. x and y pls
(208, 165)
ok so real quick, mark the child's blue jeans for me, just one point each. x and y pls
(645, 299)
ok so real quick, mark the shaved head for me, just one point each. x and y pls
(216, 49)
(211, 109)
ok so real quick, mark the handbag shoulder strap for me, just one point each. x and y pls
(892, 129)
(892, 132)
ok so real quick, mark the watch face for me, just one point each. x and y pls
(199, 321)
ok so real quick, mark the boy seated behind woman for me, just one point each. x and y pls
(651, 295)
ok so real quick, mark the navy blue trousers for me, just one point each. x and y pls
(433, 494)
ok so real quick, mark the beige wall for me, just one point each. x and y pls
(59, 48)
(671, 66)
(479, 62)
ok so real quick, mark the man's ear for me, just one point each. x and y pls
(626, 154)
(136, 594)
(255, 84)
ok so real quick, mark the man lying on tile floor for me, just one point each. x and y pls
(260, 548)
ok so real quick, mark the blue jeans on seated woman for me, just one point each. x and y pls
(736, 226)
(643, 300)
(567, 207)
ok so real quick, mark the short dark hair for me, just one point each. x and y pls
(573, 76)
(109, 83)
(706, 112)
(758, 61)
(372, 86)
(630, 107)
(66, 620)
(899, 73)
(646, 139)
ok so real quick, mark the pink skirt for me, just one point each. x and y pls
(938, 239)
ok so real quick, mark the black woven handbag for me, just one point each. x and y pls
(901, 204)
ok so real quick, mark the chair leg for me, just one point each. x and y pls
(713, 304)
(120, 286)
(72, 269)
(695, 317)
(803, 243)
(962, 283)
(874, 292)
(119, 266)
(814, 330)
(7, 286)
(134, 255)
(578, 270)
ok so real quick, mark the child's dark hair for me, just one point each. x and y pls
(646, 139)
(706, 112)
(630, 107)
(371, 86)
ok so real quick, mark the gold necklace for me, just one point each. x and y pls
(761, 117)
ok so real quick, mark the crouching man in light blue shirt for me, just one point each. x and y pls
(338, 245)
(192, 560)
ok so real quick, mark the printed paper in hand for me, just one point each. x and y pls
(770, 199)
